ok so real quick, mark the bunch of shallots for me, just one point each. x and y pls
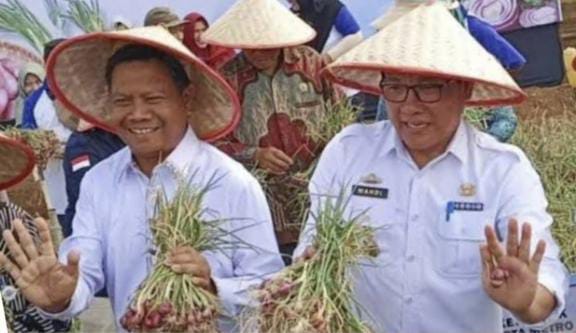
(315, 295)
(168, 301)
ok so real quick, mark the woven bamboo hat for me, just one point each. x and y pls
(427, 41)
(259, 24)
(16, 162)
(76, 73)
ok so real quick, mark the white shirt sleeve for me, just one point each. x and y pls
(524, 199)
(257, 258)
(84, 240)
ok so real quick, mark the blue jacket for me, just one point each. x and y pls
(83, 151)
(28, 118)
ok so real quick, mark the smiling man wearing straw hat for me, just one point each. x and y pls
(162, 101)
(17, 163)
(436, 190)
(283, 100)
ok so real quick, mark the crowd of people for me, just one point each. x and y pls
(461, 218)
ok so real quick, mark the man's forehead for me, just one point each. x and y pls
(410, 79)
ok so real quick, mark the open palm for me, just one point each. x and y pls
(41, 278)
(510, 277)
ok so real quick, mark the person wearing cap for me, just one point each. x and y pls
(16, 164)
(164, 103)
(284, 101)
(165, 17)
(459, 217)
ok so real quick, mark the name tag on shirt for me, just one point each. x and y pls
(453, 206)
(369, 191)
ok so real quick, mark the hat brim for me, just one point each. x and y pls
(257, 46)
(76, 75)
(17, 162)
(257, 25)
(427, 41)
(348, 75)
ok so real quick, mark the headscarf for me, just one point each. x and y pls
(213, 56)
(320, 15)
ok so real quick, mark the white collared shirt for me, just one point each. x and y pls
(427, 276)
(111, 228)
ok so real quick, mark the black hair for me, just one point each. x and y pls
(50, 46)
(135, 52)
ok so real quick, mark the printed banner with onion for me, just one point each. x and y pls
(509, 15)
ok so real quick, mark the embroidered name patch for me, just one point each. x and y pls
(369, 191)
(453, 206)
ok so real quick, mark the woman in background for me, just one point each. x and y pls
(213, 56)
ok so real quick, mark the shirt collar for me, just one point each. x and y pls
(391, 140)
(180, 159)
(457, 146)
(185, 153)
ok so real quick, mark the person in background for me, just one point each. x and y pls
(28, 116)
(120, 23)
(337, 29)
(501, 121)
(284, 101)
(214, 56)
(43, 112)
(165, 17)
(86, 147)
(30, 79)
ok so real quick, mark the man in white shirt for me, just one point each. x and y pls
(153, 86)
(435, 189)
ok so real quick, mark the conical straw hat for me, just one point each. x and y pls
(16, 162)
(76, 73)
(403, 7)
(259, 24)
(427, 41)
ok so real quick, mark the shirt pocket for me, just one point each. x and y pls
(458, 245)
(381, 215)
(307, 97)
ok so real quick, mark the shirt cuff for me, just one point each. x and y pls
(226, 291)
(555, 287)
(247, 154)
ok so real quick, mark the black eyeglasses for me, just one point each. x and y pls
(425, 93)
